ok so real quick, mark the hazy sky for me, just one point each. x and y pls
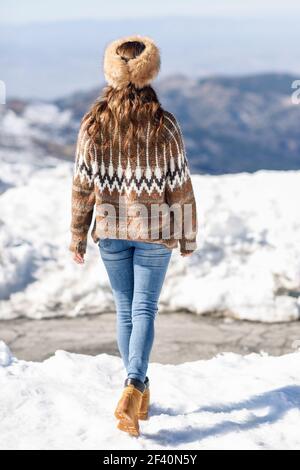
(35, 10)
(50, 60)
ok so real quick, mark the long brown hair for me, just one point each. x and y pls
(128, 107)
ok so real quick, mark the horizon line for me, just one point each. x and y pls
(148, 17)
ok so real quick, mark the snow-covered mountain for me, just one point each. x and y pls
(230, 124)
(77, 394)
(247, 265)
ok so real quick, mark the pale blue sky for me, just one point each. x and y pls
(35, 10)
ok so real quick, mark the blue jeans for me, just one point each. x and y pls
(136, 272)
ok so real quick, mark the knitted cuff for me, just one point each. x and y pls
(78, 245)
(187, 245)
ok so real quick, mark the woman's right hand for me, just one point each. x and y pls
(78, 258)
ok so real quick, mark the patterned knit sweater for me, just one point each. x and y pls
(145, 194)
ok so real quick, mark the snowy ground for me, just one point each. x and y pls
(234, 402)
(247, 266)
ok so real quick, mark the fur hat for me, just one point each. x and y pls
(140, 71)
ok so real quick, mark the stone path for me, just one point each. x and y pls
(180, 337)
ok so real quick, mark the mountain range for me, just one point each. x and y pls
(230, 124)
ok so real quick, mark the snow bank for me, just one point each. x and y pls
(229, 402)
(247, 266)
(5, 355)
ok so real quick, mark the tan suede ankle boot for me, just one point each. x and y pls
(127, 410)
(144, 409)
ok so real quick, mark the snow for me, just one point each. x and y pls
(38, 122)
(41, 114)
(249, 261)
(247, 265)
(229, 402)
(5, 355)
(13, 124)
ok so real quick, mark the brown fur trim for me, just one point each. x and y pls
(139, 71)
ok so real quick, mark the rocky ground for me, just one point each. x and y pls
(180, 337)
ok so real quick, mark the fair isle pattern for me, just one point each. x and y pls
(153, 170)
(90, 165)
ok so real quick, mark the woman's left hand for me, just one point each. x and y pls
(78, 258)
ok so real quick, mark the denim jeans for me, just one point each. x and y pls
(136, 272)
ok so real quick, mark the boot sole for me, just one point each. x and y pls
(123, 426)
(127, 425)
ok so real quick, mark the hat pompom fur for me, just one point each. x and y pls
(140, 71)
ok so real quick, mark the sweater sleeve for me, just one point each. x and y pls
(179, 188)
(83, 196)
